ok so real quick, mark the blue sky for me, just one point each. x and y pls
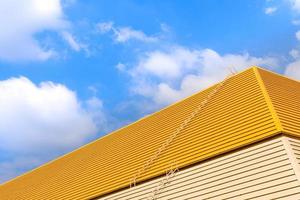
(71, 70)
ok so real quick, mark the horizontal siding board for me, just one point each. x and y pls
(262, 171)
(287, 194)
(295, 145)
(288, 182)
(226, 173)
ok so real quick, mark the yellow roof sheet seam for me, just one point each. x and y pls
(268, 99)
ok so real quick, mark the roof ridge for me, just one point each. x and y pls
(267, 97)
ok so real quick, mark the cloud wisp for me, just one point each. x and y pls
(124, 34)
(270, 10)
(69, 38)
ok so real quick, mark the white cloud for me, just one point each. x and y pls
(270, 10)
(21, 20)
(167, 76)
(121, 67)
(294, 53)
(40, 122)
(297, 35)
(44, 117)
(169, 64)
(293, 70)
(295, 5)
(124, 34)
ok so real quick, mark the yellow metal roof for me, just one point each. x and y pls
(251, 106)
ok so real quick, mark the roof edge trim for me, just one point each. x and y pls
(268, 99)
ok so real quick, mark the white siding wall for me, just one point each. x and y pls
(295, 144)
(293, 151)
(263, 171)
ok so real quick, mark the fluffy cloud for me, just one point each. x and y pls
(293, 70)
(166, 76)
(168, 64)
(21, 20)
(124, 34)
(270, 10)
(43, 116)
(39, 122)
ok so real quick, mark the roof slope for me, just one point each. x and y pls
(285, 96)
(250, 106)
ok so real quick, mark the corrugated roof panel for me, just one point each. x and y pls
(285, 96)
(237, 115)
